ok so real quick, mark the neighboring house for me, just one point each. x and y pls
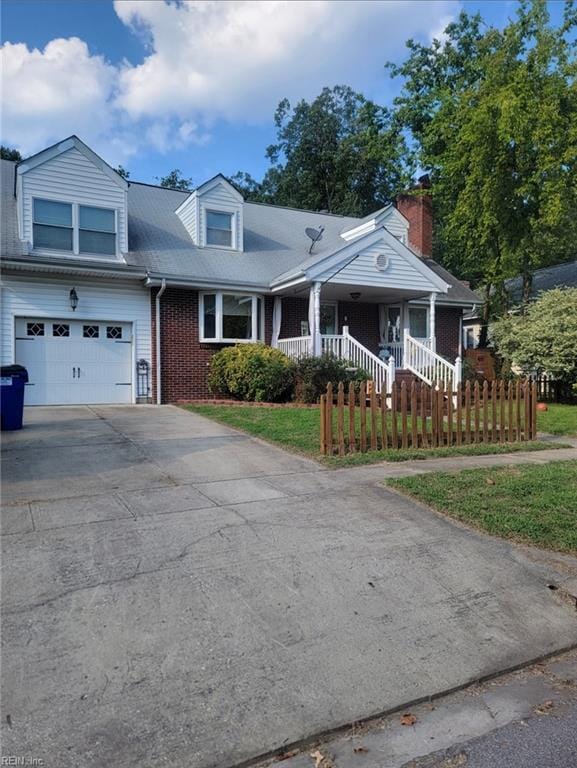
(117, 292)
(559, 276)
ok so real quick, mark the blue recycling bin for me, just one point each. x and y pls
(12, 381)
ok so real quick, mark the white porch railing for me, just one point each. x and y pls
(428, 365)
(344, 347)
(360, 357)
(397, 350)
(295, 348)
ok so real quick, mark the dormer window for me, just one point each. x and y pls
(97, 230)
(219, 229)
(78, 229)
(53, 225)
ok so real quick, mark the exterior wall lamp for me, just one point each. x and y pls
(73, 299)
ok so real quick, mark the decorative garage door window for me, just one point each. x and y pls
(35, 329)
(113, 332)
(60, 329)
(90, 331)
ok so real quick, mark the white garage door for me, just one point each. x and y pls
(73, 362)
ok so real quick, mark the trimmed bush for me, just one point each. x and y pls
(314, 373)
(252, 372)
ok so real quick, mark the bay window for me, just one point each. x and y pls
(231, 317)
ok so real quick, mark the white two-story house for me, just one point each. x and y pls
(120, 292)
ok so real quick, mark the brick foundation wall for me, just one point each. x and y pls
(184, 360)
(447, 331)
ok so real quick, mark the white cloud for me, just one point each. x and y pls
(236, 60)
(206, 60)
(50, 94)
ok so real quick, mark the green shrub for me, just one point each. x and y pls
(314, 373)
(252, 372)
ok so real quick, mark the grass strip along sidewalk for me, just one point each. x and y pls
(297, 429)
(532, 503)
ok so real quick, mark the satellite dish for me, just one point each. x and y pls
(315, 235)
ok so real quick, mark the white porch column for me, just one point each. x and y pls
(432, 333)
(276, 320)
(317, 343)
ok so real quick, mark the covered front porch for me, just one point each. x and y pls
(380, 331)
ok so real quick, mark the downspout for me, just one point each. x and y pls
(157, 329)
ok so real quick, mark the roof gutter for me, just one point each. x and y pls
(158, 355)
(153, 280)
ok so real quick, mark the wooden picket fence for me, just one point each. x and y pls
(419, 416)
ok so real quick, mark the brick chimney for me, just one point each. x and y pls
(418, 210)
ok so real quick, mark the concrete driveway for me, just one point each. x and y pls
(176, 593)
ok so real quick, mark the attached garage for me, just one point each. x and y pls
(82, 356)
(75, 362)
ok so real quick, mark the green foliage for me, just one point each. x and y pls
(544, 339)
(339, 153)
(175, 180)
(121, 171)
(314, 373)
(252, 372)
(8, 153)
(493, 115)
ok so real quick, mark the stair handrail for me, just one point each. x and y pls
(428, 365)
(356, 353)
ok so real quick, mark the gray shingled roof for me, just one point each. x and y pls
(544, 279)
(274, 239)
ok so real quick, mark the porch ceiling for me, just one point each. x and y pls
(368, 293)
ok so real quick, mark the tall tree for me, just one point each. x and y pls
(493, 117)
(175, 180)
(8, 153)
(121, 171)
(340, 153)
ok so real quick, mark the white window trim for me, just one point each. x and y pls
(218, 208)
(219, 338)
(76, 230)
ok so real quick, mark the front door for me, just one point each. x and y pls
(328, 319)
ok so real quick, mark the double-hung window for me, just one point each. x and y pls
(231, 317)
(219, 229)
(96, 230)
(79, 229)
(52, 225)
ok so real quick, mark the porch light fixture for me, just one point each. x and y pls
(355, 295)
(73, 299)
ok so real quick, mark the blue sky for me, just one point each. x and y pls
(158, 85)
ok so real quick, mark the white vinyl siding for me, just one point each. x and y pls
(45, 298)
(72, 178)
(218, 198)
(362, 271)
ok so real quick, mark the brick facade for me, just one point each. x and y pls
(185, 361)
(447, 331)
(418, 210)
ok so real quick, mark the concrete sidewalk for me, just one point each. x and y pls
(178, 593)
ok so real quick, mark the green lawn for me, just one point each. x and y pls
(297, 429)
(533, 503)
(558, 420)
